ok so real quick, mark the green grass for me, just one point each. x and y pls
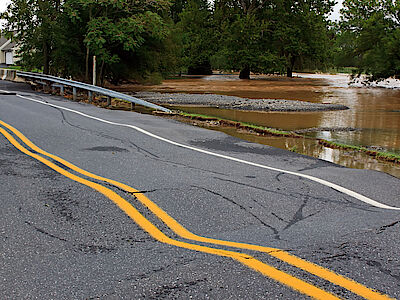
(388, 156)
(294, 149)
(185, 114)
(343, 70)
(18, 68)
(342, 146)
(269, 130)
(175, 77)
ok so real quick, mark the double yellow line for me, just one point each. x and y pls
(247, 260)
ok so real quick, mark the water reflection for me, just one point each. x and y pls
(376, 112)
(310, 147)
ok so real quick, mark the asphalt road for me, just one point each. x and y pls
(66, 234)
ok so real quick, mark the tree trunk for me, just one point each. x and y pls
(87, 68)
(289, 72)
(245, 73)
(87, 65)
(101, 75)
(289, 69)
(46, 59)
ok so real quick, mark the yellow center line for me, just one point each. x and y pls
(175, 226)
(247, 260)
(180, 230)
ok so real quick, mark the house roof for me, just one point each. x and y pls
(9, 47)
(3, 40)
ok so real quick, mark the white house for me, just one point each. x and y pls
(7, 51)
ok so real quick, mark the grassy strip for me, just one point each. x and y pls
(241, 125)
(387, 156)
(272, 130)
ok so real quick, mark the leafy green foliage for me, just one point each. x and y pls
(370, 32)
(244, 45)
(243, 38)
(196, 31)
(301, 30)
(145, 40)
(269, 37)
(116, 29)
(35, 23)
(62, 36)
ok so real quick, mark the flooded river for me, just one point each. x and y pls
(373, 119)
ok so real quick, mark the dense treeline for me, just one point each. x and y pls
(147, 40)
(368, 37)
(130, 38)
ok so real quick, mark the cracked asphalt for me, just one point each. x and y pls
(63, 240)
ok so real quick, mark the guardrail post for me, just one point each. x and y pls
(108, 101)
(90, 95)
(132, 106)
(62, 90)
(46, 88)
(74, 93)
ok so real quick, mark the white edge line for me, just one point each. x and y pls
(312, 178)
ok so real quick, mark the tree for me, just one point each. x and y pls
(117, 28)
(176, 9)
(301, 30)
(271, 36)
(60, 37)
(374, 29)
(197, 35)
(244, 37)
(34, 24)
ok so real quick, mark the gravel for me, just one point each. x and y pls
(231, 102)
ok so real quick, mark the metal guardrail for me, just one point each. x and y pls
(61, 83)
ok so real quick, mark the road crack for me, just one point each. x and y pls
(273, 229)
(384, 227)
(85, 248)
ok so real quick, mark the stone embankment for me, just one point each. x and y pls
(231, 102)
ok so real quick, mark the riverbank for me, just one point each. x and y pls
(215, 123)
(237, 103)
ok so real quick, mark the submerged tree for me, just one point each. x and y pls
(243, 35)
(300, 30)
(271, 36)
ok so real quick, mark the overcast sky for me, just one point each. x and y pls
(336, 15)
(3, 4)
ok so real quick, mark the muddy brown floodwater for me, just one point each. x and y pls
(372, 121)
